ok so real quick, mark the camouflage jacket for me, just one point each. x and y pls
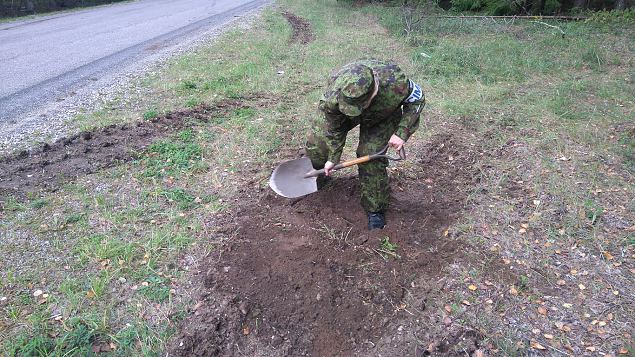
(397, 95)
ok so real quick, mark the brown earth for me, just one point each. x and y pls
(302, 29)
(305, 277)
(49, 166)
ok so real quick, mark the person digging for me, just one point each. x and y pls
(377, 96)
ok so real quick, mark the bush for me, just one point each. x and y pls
(27, 7)
(613, 16)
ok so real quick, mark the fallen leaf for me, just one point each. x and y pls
(447, 321)
(607, 255)
(602, 323)
(472, 287)
(522, 230)
(548, 336)
(567, 305)
(466, 303)
(535, 331)
(535, 345)
(38, 292)
(590, 348)
(623, 351)
(513, 291)
(446, 232)
(448, 308)
(581, 286)
(524, 225)
(542, 310)
(90, 294)
(246, 330)
(561, 282)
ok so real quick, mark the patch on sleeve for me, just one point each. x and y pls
(416, 94)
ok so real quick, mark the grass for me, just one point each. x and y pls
(548, 111)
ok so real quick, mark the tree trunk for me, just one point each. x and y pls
(579, 4)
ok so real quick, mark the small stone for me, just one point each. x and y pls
(243, 308)
(38, 292)
(226, 269)
(276, 341)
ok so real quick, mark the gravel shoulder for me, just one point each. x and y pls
(56, 119)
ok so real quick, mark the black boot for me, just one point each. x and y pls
(376, 220)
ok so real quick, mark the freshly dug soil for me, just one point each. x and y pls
(302, 29)
(306, 277)
(51, 165)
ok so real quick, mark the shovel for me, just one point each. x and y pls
(297, 177)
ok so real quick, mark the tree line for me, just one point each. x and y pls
(12, 8)
(515, 7)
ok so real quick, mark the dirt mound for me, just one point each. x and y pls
(305, 277)
(302, 29)
(52, 165)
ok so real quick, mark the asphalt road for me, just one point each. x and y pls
(46, 58)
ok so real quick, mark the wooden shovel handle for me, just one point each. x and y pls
(359, 160)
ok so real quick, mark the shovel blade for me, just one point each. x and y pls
(288, 179)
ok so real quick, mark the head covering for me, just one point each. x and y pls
(356, 87)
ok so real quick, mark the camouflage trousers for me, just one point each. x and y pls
(373, 178)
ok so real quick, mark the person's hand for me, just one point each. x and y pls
(395, 142)
(328, 168)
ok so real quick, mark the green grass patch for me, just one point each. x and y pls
(155, 289)
(150, 114)
(172, 157)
